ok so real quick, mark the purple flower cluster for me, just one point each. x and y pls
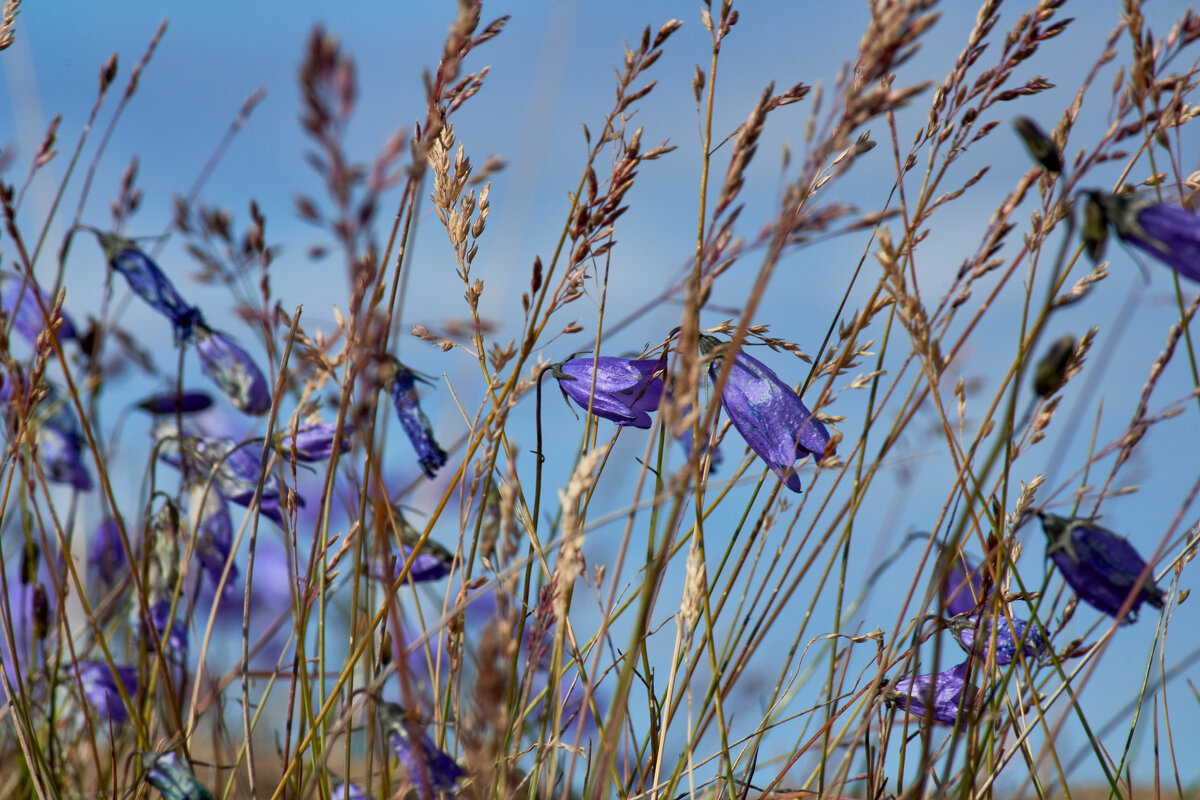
(1103, 568)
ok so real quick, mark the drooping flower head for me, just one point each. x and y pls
(1040, 146)
(1168, 233)
(402, 386)
(18, 299)
(233, 370)
(768, 414)
(431, 770)
(172, 403)
(172, 775)
(626, 390)
(937, 697)
(1099, 565)
(100, 689)
(149, 282)
(311, 441)
(61, 443)
(974, 634)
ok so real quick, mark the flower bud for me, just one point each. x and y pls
(1040, 146)
(1051, 371)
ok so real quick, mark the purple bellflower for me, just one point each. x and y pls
(974, 634)
(173, 635)
(962, 584)
(61, 443)
(106, 553)
(150, 283)
(768, 414)
(1099, 565)
(626, 390)
(171, 775)
(936, 697)
(100, 689)
(403, 388)
(345, 790)
(431, 770)
(237, 468)
(311, 441)
(19, 303)
(1168, 233)
(233, 371)
(208, 513)
(172, 403)
(433, 562)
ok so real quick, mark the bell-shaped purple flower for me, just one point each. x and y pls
(974, 634)
(61, 443)
(19, 303)
(172, 633)
(172, 775)
(100, 689)
(1102, 567)
(1168, 233)
(431, 770)
(311, 441)
(209, 516)
(403, 389)
(937, 697)
(962, 583)
(233, 371)
(433, 562)
(172, 403)
(768, 414)
(150, 283)
(626, 389)
(106, 553)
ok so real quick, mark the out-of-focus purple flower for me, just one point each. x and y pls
(312, 441)
(1099, 565)
(233, 371)
(974, 634)
(433, 562)
(936, 697)
(685, 441)
(626, 390)
(345, 790)
(100, 689)
(1168, 233)
(431, 770)
(60, 443)
(237, 467)
(150, 283)
(173, 635)
(768, 414)
(208, 514)
(106, 553)
(19, 303)
(171, 775)
(962, 583)
(403, 389)
(172, 403)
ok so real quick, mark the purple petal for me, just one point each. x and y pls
(626, 390)
(936, 697)
(19, 303)
(965, 627)
(416, 425)
(106, 553)
(100, 689)
(233, 371)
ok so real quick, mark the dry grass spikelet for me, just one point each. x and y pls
(570, 553)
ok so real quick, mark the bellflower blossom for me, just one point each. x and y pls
(936, 697)
(433, 562)
(172, 403)
(61, 443)
(768, 414)
(171, 775)
(149, 282)
(1099, 565)
(106, 553)
(233, 371)
(100, 689)
(626, 390)
(974, 634)
(237, 467)
(19, 303)
(173, 635)
(1168, 233)
(209, 517)
(403, 389)
(962, 584)
(311, 441)
(431, 770)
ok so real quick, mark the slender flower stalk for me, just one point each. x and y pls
(1102, 567)
(626, 390)
(402, 386)
(768, 414)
